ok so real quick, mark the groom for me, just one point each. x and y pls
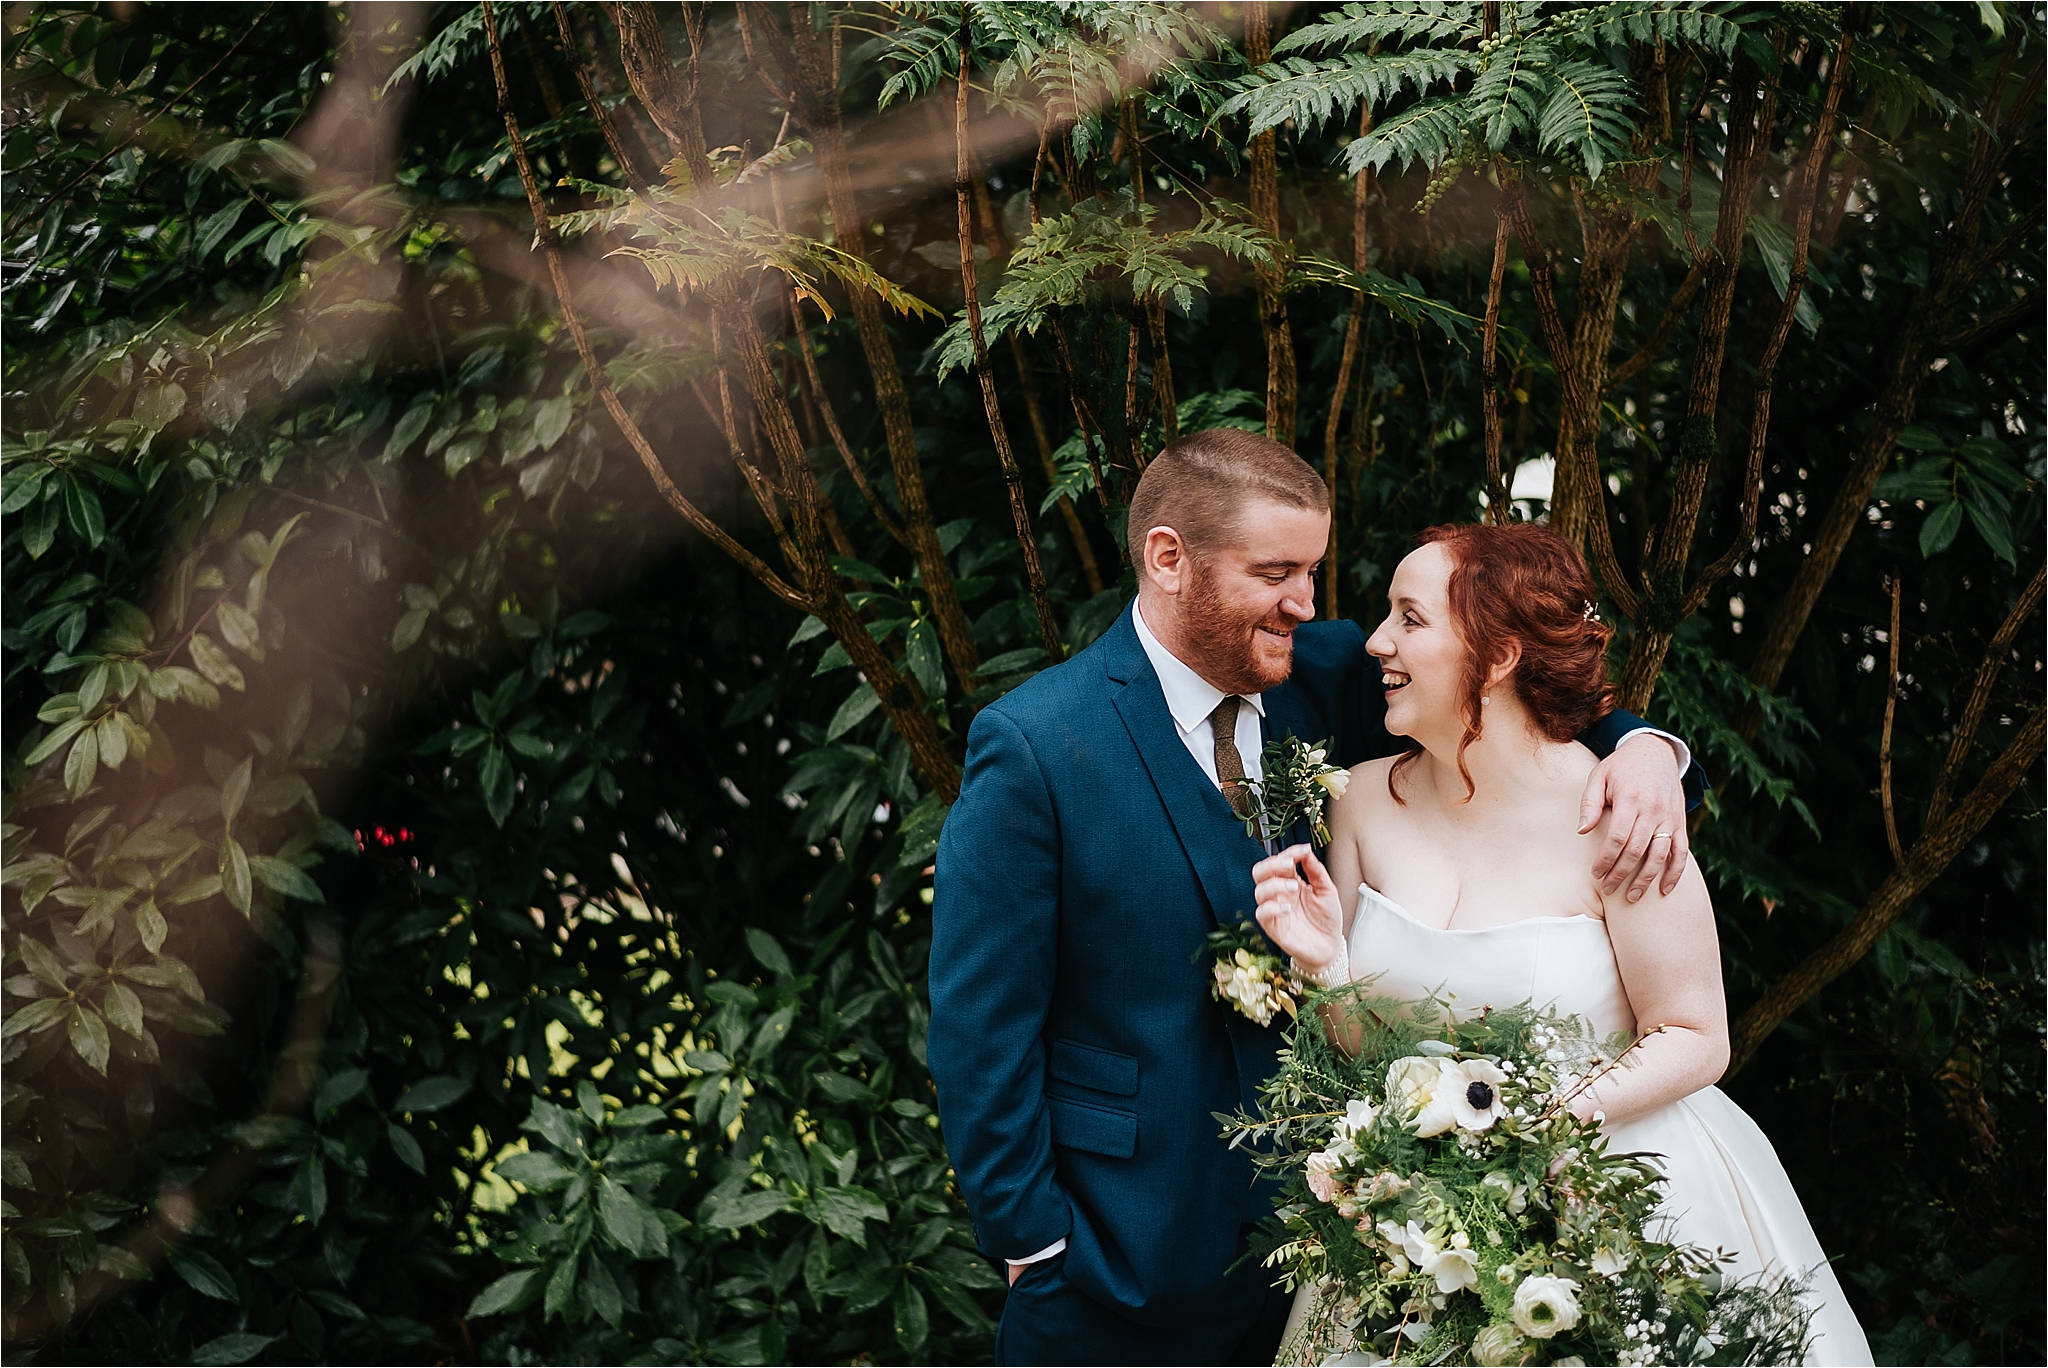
(1078, 1055)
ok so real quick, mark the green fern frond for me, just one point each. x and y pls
(1428, 131)
(1588, 113)
(1311, 93)
(1507, 97)
(1358, 25)
(1653, 21)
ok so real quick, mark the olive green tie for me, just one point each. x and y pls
(1229, 764)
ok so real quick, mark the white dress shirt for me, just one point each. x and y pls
(1190, 699)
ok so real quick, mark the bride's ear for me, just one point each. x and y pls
(1503, 669)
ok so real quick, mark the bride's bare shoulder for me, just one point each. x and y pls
(1367, 794)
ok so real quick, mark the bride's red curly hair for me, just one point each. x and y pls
(1523, 585)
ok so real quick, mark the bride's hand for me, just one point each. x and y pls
(1299, 907)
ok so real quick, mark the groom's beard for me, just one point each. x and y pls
(1230, 638)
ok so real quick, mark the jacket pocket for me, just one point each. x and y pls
(1098, 1130)
(1093, 1067)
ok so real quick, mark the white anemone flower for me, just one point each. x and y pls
(1546, 1305)
(1466, 1095)
(1410, 1083)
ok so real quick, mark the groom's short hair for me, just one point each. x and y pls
(1200, 485)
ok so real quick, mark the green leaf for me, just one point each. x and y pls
(1993, 526)
(542, 1172)
(340, 1088)
(407, 430)
(151, 926)
(912, 1322)
(158, 406)
(769, 951)
(840, 1088)
(82, 510)
(805, 630)
(408, 629)
(747, 1209)
(82, 764)
(24, 481)
(88, 1032)
(285, 878)
(1941, 527)
(211, 230)
(509, 1293)
(845, 1211)
(921, 653)
(123, 1008)
(309, 1187)
(239, 629)
(54, 742)
(432, 1094)
(204, 1274)
(235, 788)
(496, 773)
(214, 663)
(859, 705)
(406, 1148)
(234, 875)
(629, 1222)
(551, 419)
(239, 1347)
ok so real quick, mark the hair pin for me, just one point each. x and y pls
(1591, 614)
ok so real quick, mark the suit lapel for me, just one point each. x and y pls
(1286, 716)
(1210, 834)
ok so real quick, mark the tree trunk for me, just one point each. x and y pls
(809, 71)
(1281, 384)
(999, 432)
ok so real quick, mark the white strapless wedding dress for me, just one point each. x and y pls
(1726, 1188)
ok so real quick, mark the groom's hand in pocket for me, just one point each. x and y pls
(1299, 907)
(1643, 792)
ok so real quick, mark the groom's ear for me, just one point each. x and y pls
(1166, 559)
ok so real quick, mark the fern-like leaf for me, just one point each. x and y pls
(1311, 93)
(1386, 22)
(1507, 97)
(1588, 113)
(1427, 131)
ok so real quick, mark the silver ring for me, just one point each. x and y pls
(1661, 835)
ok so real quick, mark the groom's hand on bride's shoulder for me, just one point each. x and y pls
(1646, 837)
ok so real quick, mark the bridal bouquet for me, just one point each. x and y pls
(1448, 1207)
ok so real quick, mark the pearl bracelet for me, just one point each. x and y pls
(1334, 974)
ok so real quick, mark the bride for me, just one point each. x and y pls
(1457, 869)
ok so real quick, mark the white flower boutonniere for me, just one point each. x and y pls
(1296, 786)
(1249, 976)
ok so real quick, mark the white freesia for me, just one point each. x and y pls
(1455, 1267)
(1334, 782)
(1607, 1262)
(1466, 1095)
(1546, 1305)
(1358, 1116)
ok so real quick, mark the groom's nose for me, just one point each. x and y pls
(1298, 597)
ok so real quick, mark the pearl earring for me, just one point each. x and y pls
(1485, 699)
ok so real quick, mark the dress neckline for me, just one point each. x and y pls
(1405, 915)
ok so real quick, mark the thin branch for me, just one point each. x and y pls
(544, 231)
(1653, 346)
(1020, 512)
(1489, 363)
(1972, 716)
(628, 166)
(1884, 745)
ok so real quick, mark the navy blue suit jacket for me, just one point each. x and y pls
(1079, 1057)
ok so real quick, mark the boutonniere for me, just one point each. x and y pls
(1296, 785)
(1249, 976)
